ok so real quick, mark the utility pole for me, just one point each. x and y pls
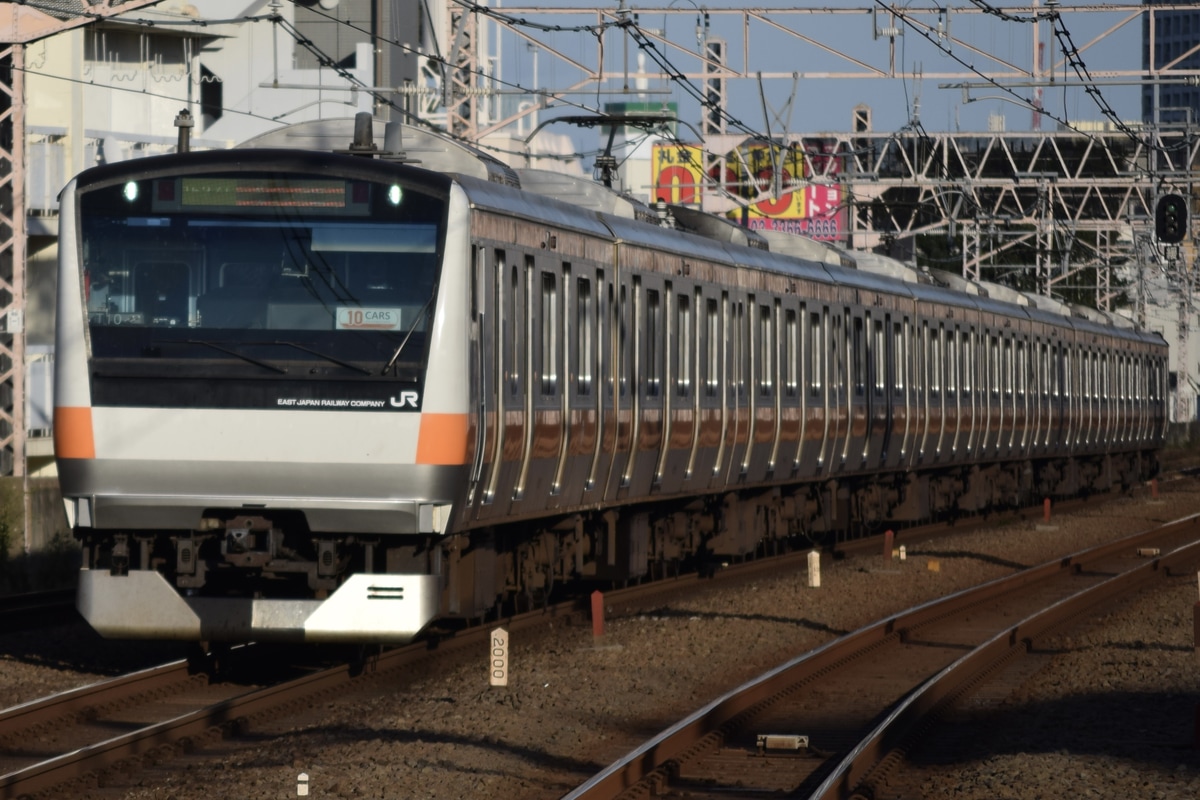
(21, 25)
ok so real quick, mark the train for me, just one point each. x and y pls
(352, 380)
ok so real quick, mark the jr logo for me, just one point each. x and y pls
(405, 400)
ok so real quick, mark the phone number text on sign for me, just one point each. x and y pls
(368, 319)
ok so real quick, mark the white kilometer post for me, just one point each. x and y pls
(498, 658)
(814, 569)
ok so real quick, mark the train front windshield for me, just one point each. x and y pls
(263, 270)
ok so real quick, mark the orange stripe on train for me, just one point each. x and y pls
(443, 439)
(73, 437)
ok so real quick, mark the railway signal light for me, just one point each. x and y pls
(1171, 218)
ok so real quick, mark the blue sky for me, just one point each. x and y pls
(1108, 41)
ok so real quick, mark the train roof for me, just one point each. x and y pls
(574, 202)
(531, 205)
(420, 147)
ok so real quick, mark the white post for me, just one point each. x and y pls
(814, 569)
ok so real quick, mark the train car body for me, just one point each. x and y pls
(311, 396)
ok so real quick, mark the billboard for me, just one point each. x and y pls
(790, 187)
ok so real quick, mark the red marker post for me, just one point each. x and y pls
(1046, 510)
(597, 614)
(888, 538)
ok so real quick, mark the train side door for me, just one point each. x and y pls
(604, 395)
(739, 369)
(884, 380)
(482, 379)
(507, 378)
(623, 322)
(905, 367)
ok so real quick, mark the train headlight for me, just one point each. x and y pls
(395, 195)
(131, 191)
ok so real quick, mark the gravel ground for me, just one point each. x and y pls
(1112, 714)
(574, 705)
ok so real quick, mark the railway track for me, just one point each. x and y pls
(79, 736)
(76, 737)
(836, 722)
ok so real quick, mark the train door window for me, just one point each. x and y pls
(514, 340)
(654, 349)
(739, 365)
(952, 365)
(766, 351)
(1006, 367)
(550, 333)
(1067, 365)
(963, 368)
(791, 353)
(949, 361)
(994, 366)
(1043, 369)
(838, 380)
(624, 335)
(899, 358)
(712, 342)
(477, 255)
(1020, 370)
(816, 353)
(933, 361)
(966, 347)
(1087, 376)
(683, 338)
(857, 345)
(584, 332)
(604, 350)
(879, 356)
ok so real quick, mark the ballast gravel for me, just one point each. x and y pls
(1110, 714)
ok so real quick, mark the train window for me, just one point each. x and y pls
(683, 338)
(993, 356)
(1065, 354)
(654, 347)
(626, 365)
(791, 353)
(933, 361)
(966, 347)
(857, 343)
(879, 357)
(604, 356)
(740, 359)
(766, 351)
(550, 333)
(514, 319)
(1006, 375)
(816, 353)
(899, 358)
(477, 255)
(583, 336)
(713, 363)
(946, 363)
(1090, 374)
(952, 363)
(838, 377)
(1019, 369)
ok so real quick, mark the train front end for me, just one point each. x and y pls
(261, 394)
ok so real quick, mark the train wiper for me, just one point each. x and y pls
(325, 356)
(411, 328)
(236, 354)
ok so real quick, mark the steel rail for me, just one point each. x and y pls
(644, 766)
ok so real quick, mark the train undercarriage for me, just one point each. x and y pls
(290, 573)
